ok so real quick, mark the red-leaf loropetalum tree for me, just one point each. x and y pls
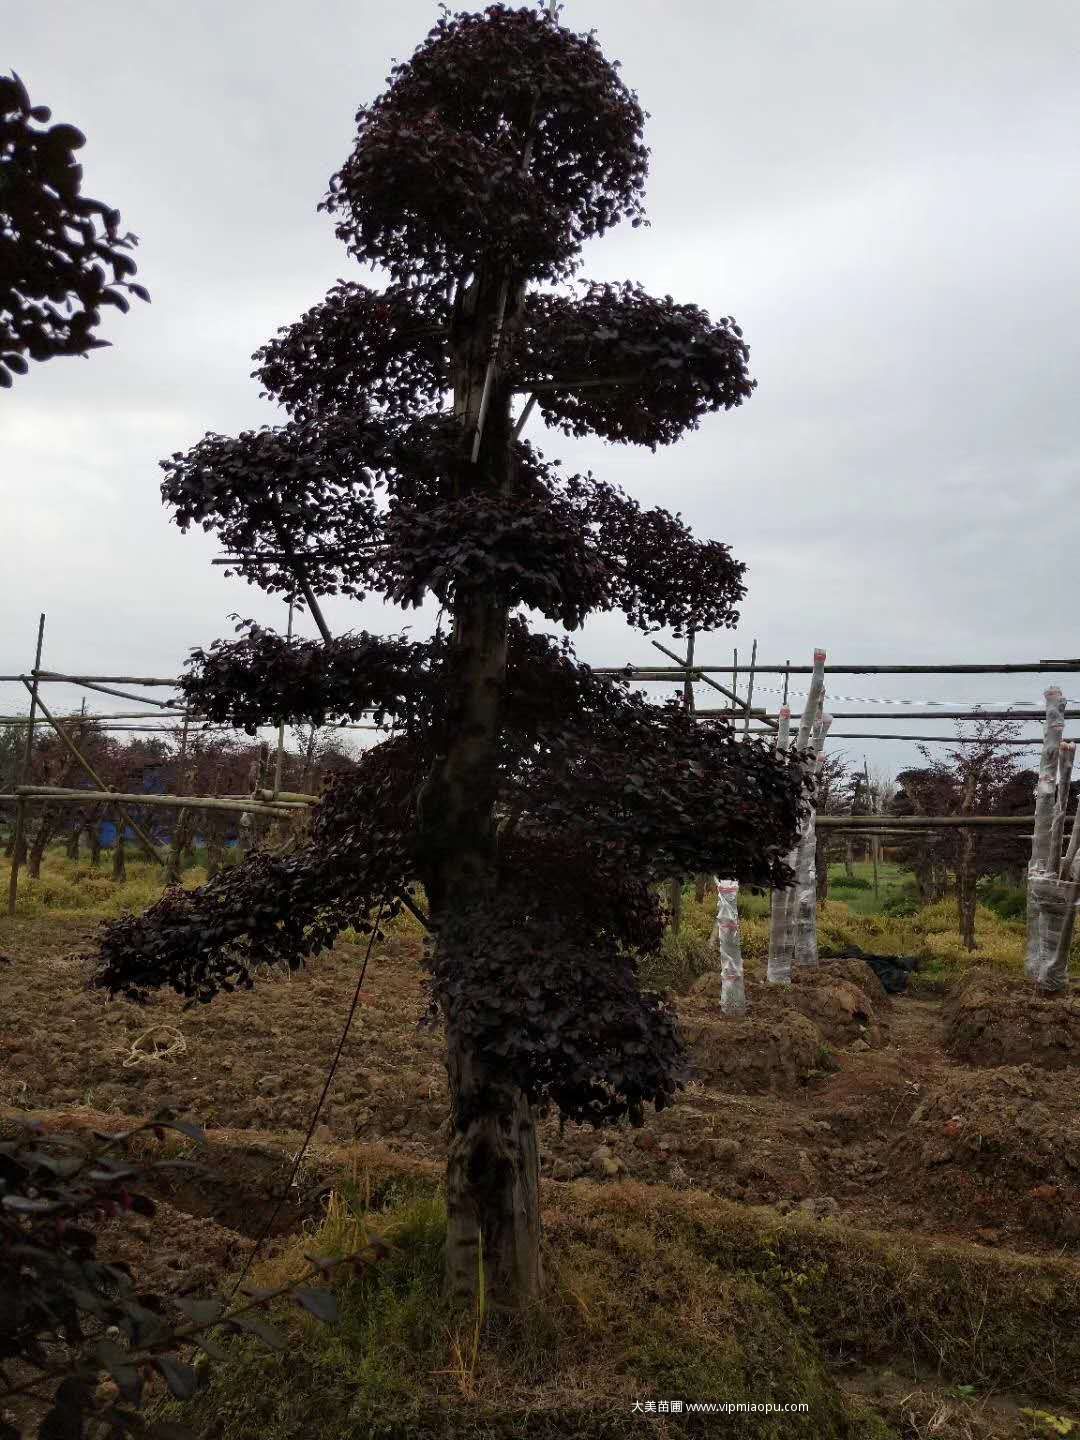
(56, 244)
(539, 804)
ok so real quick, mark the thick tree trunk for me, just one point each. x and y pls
(37, 853)
(73, 840)
(492, 1186)
(93, 842)
(493, 1230)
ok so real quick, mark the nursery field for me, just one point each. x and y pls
(866, 1204)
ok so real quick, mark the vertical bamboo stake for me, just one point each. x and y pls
(750, 690)
(1045, 797)
(281, 724)
(22, 775)
(779, 967)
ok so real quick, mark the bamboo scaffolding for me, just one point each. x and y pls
(694, 673)
(144, 839)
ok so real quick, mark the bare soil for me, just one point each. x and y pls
(829, 1097)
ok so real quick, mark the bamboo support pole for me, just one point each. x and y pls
(883, 713)
(168, 802)
(279, 759)
(23, 774)
(1038, 667)
(750, 690)
(63, 679)
(126, 695)
(872, 823)
(144, 839)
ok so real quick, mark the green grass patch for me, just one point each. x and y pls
(651, 1295)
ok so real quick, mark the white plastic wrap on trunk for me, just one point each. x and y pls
(1058, 922)
(1066, 758)
(725, 936)
(813, 702)
(805, 939)
(779, 967)
(1041, 866)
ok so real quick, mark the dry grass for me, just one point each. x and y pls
(656, 1295)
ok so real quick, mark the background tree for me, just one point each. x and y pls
(833, 798)
(980, 777)
(539, 805)
(56, 244)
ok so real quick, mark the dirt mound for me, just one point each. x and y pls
(996, 1020)
(840, 1010)
(856, 972)
(1004, 1144)
(772, 1047)
(844, 1004)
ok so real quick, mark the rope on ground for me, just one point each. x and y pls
(299, 1157)
(176, 1046)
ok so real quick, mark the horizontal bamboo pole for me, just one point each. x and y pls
(1032, 667)
(899, 715)
(287, 797)
(63, 679)
(168, 802)
(926, 822)
(79, 718)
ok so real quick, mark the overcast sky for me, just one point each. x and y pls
(884, 193)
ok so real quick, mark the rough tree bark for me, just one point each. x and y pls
(493, 1172)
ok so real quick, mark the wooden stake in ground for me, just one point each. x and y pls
(24, 774)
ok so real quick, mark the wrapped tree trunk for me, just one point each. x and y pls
(1042, 868)
(783, 915)
(806, 951)
(779, 964)
(726, 938)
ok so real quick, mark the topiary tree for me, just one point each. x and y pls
(56, 244)
(539, 805)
